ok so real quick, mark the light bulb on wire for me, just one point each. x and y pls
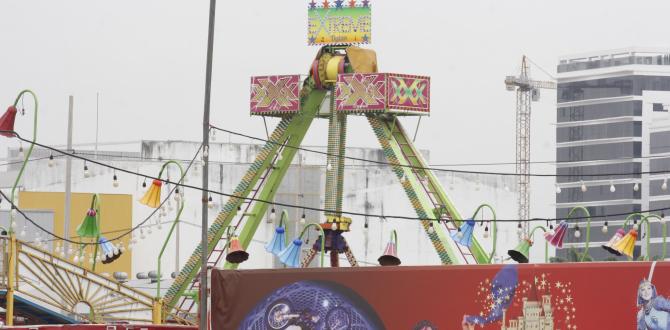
(273, 214)
(329, 167)
(636, 187)
(583, 187)
(578, 233)
(210, 202)
(51, 160)
(664, 186)
(115, 181)
(558, 189)
(604, 229)
(486, 231)
(612, 187)
(431, 228)
(87, 173)
(303, 219)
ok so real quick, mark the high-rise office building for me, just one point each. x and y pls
(612, 117)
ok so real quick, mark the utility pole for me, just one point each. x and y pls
(68, 175)
(205, 170)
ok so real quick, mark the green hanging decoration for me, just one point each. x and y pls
(90, 227)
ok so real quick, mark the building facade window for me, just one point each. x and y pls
(599, 111)
(599, 152)
(599, 131)
(588, 173)
(611, 87)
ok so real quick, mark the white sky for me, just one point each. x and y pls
(147, 59)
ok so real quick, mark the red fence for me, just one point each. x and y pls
(616, 295)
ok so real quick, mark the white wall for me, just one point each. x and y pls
(368, 188)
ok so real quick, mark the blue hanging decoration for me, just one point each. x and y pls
(464, 234)
(109, 251)
(278, 242)
(290, 256)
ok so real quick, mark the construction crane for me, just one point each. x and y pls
(527, 91)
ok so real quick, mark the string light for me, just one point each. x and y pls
(329, 166)
(210, 202)
(21, 153)
(578, 233)
(115, 181)
(604, 229)
(431, 228)
(273, 214)
(664, 186)
(51, 160)
(144, 183)
(583, 187)
(612, 188)
(635, 226)
(486, 231)
(519, 228)
(636, 187)
(558, 189)
(87, 173)
(303, 219)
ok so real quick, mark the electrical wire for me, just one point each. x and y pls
(176, 185)
(439, 169)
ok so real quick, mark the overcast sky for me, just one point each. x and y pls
(147, 59)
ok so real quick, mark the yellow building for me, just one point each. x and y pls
(116, 214)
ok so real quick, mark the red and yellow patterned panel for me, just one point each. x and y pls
(275, 94)
(408, 93)
(361, 92)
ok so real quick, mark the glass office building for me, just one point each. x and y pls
(612, 118)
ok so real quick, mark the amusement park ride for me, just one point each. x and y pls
(343, 81)
(346, 78)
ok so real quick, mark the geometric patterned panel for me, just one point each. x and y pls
(408, 92)
(361, 92)
(275, 94)
(400, 94)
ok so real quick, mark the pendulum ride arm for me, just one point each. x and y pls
(289, 131)
(424, 191)
(297, 131)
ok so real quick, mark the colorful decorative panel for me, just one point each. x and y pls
(361, 92)
(614, 295)
(407, 92)
(383, 92)
(275, 94)
(339, 22)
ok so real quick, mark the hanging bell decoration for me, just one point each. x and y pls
(109, 251)
(390, 256)
(290, 256)
(152, 198)
(556, 238)
(521, 251)
(278, 242)
(626, 244)
(464, 234)
(236, 253)
(7, 122)
(89, 227)
(615, 239)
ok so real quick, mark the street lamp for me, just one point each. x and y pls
(7, 129)
(153, 201)
(587, 239)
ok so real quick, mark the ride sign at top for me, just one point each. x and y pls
(339, 22)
